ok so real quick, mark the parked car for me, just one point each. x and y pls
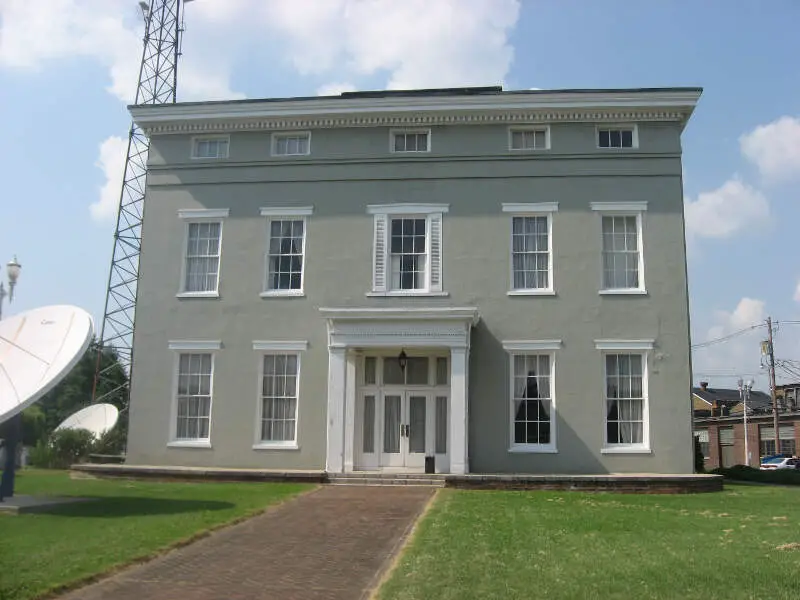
(780, 462)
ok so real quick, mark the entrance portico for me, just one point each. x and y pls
(401, 418)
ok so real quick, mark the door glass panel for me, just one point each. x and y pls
(441, 424)
(442, 371)
(369, 425)
(391, 424)
(369, 370)
(417, 370)
(392, 373)
(416, 438)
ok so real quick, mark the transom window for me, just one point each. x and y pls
(285, 255)
(621, 252)
(530, 253)
(193, 397)
(210, 147)
(531, 401)
(408, 254)
(529, 138)
(291, 144)
(411, 141)
(625, 399)
(419, 370)
(278, 417)
(616, 137)
(202, 256)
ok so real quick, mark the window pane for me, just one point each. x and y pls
(285, 256)
(531, 404)
(392, 373)
(279, 397)
(441, 425)
(442, 371)
(417, 370)
(627, 138)
(604, 141)
(370, 375)
(408, 256)
(368, 432)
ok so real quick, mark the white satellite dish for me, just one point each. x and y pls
(38, 348)
(95, 418)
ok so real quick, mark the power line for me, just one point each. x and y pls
(730, 336)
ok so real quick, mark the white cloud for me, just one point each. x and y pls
(774, 148)
(738, 356)
(335, 88)
(112, 161)
(34, 34)
(725, 211)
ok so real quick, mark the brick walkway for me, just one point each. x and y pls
(330, 543)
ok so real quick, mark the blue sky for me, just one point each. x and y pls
(67, 68)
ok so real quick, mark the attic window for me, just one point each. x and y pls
(618, 137)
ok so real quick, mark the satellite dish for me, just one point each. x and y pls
(38, 348)
(96, 418)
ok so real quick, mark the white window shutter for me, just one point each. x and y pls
(379, 251)
(435, 230)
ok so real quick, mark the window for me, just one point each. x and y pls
(617, 137)
(291, 143)
(520, 138)
(625, 400)
(410, 140)
(210, 147)
(532, 402)
(702, 440)
(193, 398)
(766, 436)
(530, 253)
(285, 256)
(407, 251)
(201, 270)
(622, 254)
(278, 410)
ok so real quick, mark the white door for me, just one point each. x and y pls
(404, 429)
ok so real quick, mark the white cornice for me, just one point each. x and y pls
(280, 346)
(624, 344)
(203, 213)
(417, 111)
(531, 207)
(530, 345)
(403, 208)
(195, 344)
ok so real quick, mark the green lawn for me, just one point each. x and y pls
(129, 520)
(482, 544)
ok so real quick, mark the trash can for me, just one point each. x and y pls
(430, 464)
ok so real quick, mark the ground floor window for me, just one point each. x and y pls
(194, 397)
(702, 440)
(625, 399)
(532, 400)
(766, 436)
(278, 406)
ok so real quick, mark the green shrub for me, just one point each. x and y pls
(745, 473)
(64, 448)
(111, 442)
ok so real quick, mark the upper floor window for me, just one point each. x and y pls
(618, 137)
(529, 138)
(202, 251)
(531, 247)
(285, 257)
(622, 257)
(295, 143)
(407, 250)
(411, 140)
(210, 147)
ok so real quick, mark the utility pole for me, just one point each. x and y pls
(773, 391)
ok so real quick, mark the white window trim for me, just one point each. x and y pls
(642, 348)
(200, 215)
(523, 128)
(205, 138)
(264, 347)
(394, 132)
(285, 214)
(279, 134)
(552, 447)
(622, 126)
(530, 346)
(623, 209)
(190, 347)
(540, 209)
(401, 208)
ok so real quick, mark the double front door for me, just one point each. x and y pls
(404, 428)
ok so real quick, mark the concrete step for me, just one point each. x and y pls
(385, 480)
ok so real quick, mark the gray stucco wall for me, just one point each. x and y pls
(476, 273)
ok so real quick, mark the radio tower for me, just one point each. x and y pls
(158, 78)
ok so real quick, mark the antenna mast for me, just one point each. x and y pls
(157, 84)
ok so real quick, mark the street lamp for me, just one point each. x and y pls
(12, 271)
(744, 394)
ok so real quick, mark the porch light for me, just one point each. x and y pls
(402, 360)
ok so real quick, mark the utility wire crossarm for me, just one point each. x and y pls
(157, 84)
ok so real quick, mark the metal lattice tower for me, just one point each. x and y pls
(158, 78)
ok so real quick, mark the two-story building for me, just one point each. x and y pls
(494, 281)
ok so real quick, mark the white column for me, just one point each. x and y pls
(337, 376)
(350, 411)
(458, 410)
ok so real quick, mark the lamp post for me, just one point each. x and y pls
(744, 394)
(12, 271)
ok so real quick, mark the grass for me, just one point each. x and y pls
(740, 543)
(126, 521)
